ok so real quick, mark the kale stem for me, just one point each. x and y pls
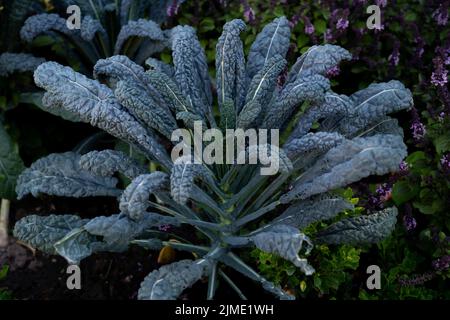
(212, 282)
(232, 285)
(186, 247)
(257, 214)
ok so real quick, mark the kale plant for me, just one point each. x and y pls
(107, 27)
(329, 140)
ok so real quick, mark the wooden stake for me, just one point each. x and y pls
(4, 222)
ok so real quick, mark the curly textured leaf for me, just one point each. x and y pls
(43, 23)
(75, 245)
(191, 69)
(117, 231)
(317, 60)
(182, 178)
(272, 40)
(248, 115)
(18, 62)
(310, 88)
(106, 162)
(95, 103)
(349, 162)
(89, 27)
(361, 229)
(158, 65)
(11, 165)
(135, 98)
(134, 200)
(189, 120)
(320, 142)
(230, 65)
(60, 174)
(260, 91)
(302, 213)
(144, 29)
(43, 232)
(269, 151)
(385, 125)
(333, 106)
(375, 102)
(228, 115)
(169, 281)
(285, 241)
(169, 92)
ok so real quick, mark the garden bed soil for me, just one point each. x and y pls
(36, 276)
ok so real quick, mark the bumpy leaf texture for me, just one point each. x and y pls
(320, 141)
(285, 241)
(144, 108)
(169, 281)
(18, 62)
(333, 106)
(271, 41)
(371, 228)
(310, 88)
(118, 230)
(144, 29)
(182, 178)
(374, 102)
(61, 175)
(302, 213)
(230, 66)
(95, 103)
(134, 200)
(271, 153)
(162, 67)
(106, 162)
(349, 162)
(191, 69)
(43, 232)
(317, 60)
(89, 27)
(260, 92)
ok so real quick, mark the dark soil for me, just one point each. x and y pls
(37, 276)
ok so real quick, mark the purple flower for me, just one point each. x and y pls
(440, 74)
(329, 36)
(442, 263)
(165, 227)
(445, 162)
(333, 72)
(249, 14)
(394, 57)
(381, 3)
(409, 222)
(403, 166)
(173, 8)
(342, 24)
(294, 20)
(417, 280)
(440, 15)
(309, 28)
(384, 191)
(418, 128)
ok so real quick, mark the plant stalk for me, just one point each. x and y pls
(4, 222)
